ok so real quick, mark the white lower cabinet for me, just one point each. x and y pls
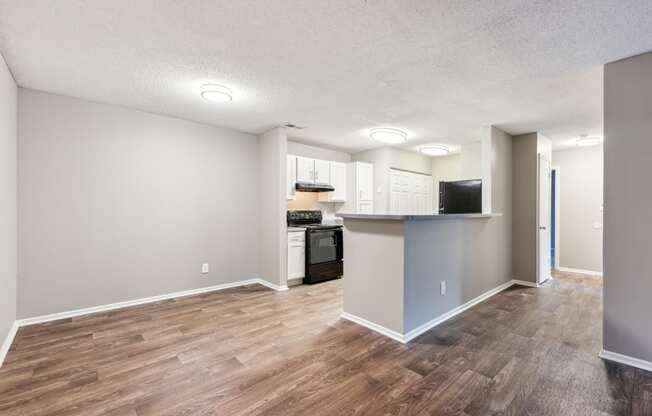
(296, 255)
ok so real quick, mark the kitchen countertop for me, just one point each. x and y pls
(296, 229)
(409, 217)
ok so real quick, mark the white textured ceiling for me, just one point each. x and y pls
(439, 69)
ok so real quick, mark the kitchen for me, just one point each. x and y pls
(323, 183)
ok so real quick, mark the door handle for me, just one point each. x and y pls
(542, 228)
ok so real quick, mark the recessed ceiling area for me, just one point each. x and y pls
(439, 70)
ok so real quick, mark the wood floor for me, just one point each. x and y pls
(252, 351)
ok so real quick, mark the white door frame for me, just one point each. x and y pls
(541, 279)
(557, 170)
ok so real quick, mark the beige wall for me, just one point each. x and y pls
(117, 204)
(580, 201)
(627, 201)
(525, 202)
(524, 206)
(271, 213)
(8, 221)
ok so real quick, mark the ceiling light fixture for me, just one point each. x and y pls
(388, 135)
(216, 93)
(585, 140)
(435, 150)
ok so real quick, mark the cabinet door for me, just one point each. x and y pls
(338, 181)
(305, 169)
(296, 255)
(322, 171)
(291, 176)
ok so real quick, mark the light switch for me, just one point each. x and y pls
(205, 268)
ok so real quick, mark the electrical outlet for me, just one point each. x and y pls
(442, 288)
(205, 268)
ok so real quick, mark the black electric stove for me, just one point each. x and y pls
(324, 246)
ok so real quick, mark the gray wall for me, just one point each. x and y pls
(473, 256)
(271, 214)
(374, 263)
(117, 204)
(627, 201)
(524, 206)
(580, 201)
(8, 222)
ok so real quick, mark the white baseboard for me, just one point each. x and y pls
(625, 359)
(456, 311)
(405, 338)
(525, 283)
(272, 285)
(397, 336)
(103, 308)
(580, 271)
(9, 339)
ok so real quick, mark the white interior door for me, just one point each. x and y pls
(543, 220)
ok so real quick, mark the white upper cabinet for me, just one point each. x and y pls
(305, 169)
(291, 176)
(322, 171)
(337, 181)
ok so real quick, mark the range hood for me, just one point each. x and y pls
(313, 187)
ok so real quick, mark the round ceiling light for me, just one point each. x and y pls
(435, 150)
(585, 140)
(216, 93)
(388, 135)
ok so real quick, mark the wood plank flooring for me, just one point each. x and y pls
(252, 351)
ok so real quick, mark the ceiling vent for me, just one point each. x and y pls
(294, 126)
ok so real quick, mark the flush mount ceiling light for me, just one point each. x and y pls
(216, 93)
(435, 150)
(585, 140)
(388, 135)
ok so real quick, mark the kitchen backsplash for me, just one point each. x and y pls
(308, 200)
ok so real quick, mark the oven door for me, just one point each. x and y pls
(324, 246)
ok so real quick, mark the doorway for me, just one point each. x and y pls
(544, 244)
(554, 234)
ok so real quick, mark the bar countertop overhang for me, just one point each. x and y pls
(409, 217)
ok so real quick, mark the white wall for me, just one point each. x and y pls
(386, 158)
(271, 213)
(117, 204)
(471, 161)
(8, 221)
(580, 183)
(315, 152)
